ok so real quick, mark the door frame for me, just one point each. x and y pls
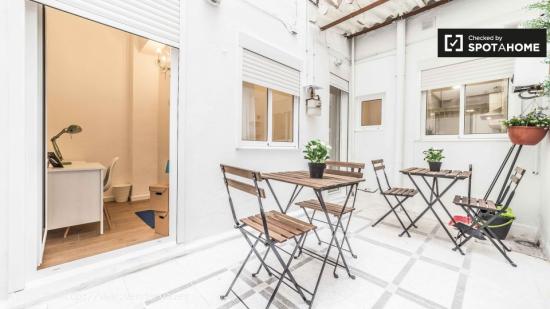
(344, 145)
(27, 190)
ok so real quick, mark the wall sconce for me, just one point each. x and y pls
(162, 61)
(313, 101)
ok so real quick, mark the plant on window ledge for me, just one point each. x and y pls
(528, 129)
(434, 157)
(316, 152)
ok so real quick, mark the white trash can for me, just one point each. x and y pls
(122, 192)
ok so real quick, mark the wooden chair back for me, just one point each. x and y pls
(512, 184)
(253, 189)
(378, 166)
(351, 169)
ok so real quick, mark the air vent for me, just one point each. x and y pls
(428, 24)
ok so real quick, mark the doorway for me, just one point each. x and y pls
(108, 120)
(338, 124)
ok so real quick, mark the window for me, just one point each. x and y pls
(254, 112)
(371, 113)
(486, 105)
(442, 111)
(480, 106)
(282, 116)
(268, 116)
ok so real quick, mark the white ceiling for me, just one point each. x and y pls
(331, 10)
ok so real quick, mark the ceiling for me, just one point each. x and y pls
(365, 15)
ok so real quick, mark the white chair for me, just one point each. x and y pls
(107, 181)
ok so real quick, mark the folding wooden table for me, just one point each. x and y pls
(435, 193)
(301, 179)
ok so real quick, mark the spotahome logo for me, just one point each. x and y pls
(491, 42)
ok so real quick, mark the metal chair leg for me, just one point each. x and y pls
(261, 264)
(310, 220)
(240, 270)
(284, 273)
(400, 203)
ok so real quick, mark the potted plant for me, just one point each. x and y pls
(434, 158)
(316, 152)
(528, 129)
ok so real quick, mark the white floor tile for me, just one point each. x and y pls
(398, 302)
(432, 282)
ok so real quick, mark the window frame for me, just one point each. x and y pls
(270, 144)
(461, 117)
(359, 107)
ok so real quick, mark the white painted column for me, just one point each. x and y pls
(400, 56)
(14, 144)
(3, 154)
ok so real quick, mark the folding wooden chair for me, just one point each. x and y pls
(350, 169)
(400, 195)
(483, 212)
(271, 228)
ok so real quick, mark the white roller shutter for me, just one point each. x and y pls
(477, 70)
(263, 71)
(158, 20)
(339, 82)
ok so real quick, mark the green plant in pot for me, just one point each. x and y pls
(434, 157)
(316, 152)
(528, 129)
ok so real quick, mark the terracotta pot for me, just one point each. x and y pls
(522, 135)
(316, 170)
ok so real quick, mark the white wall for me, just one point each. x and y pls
(212, 90)
(375, 73)
(108, 82)
(544, 192)
(4, 180)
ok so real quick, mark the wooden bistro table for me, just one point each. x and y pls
(301, 179)
(435, 194)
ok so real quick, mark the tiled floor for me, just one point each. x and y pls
(392, 272)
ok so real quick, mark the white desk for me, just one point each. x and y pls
(74, 195)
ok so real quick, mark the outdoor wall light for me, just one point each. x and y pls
(313, 101)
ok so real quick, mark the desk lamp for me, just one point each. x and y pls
(72, 129)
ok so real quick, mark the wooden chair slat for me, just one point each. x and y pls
(345, 164)
(274, 225)
(344, 173)
(241, 172)
(259, 227)
(291, 223)
(245, 187)
(333, 209)
(475, 203)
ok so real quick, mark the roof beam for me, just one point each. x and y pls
(404, 16)
(353, 14)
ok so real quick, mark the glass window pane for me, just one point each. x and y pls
(283, 116)
(442, 111)
(254, 126)
(371, 113)
(485, 107)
